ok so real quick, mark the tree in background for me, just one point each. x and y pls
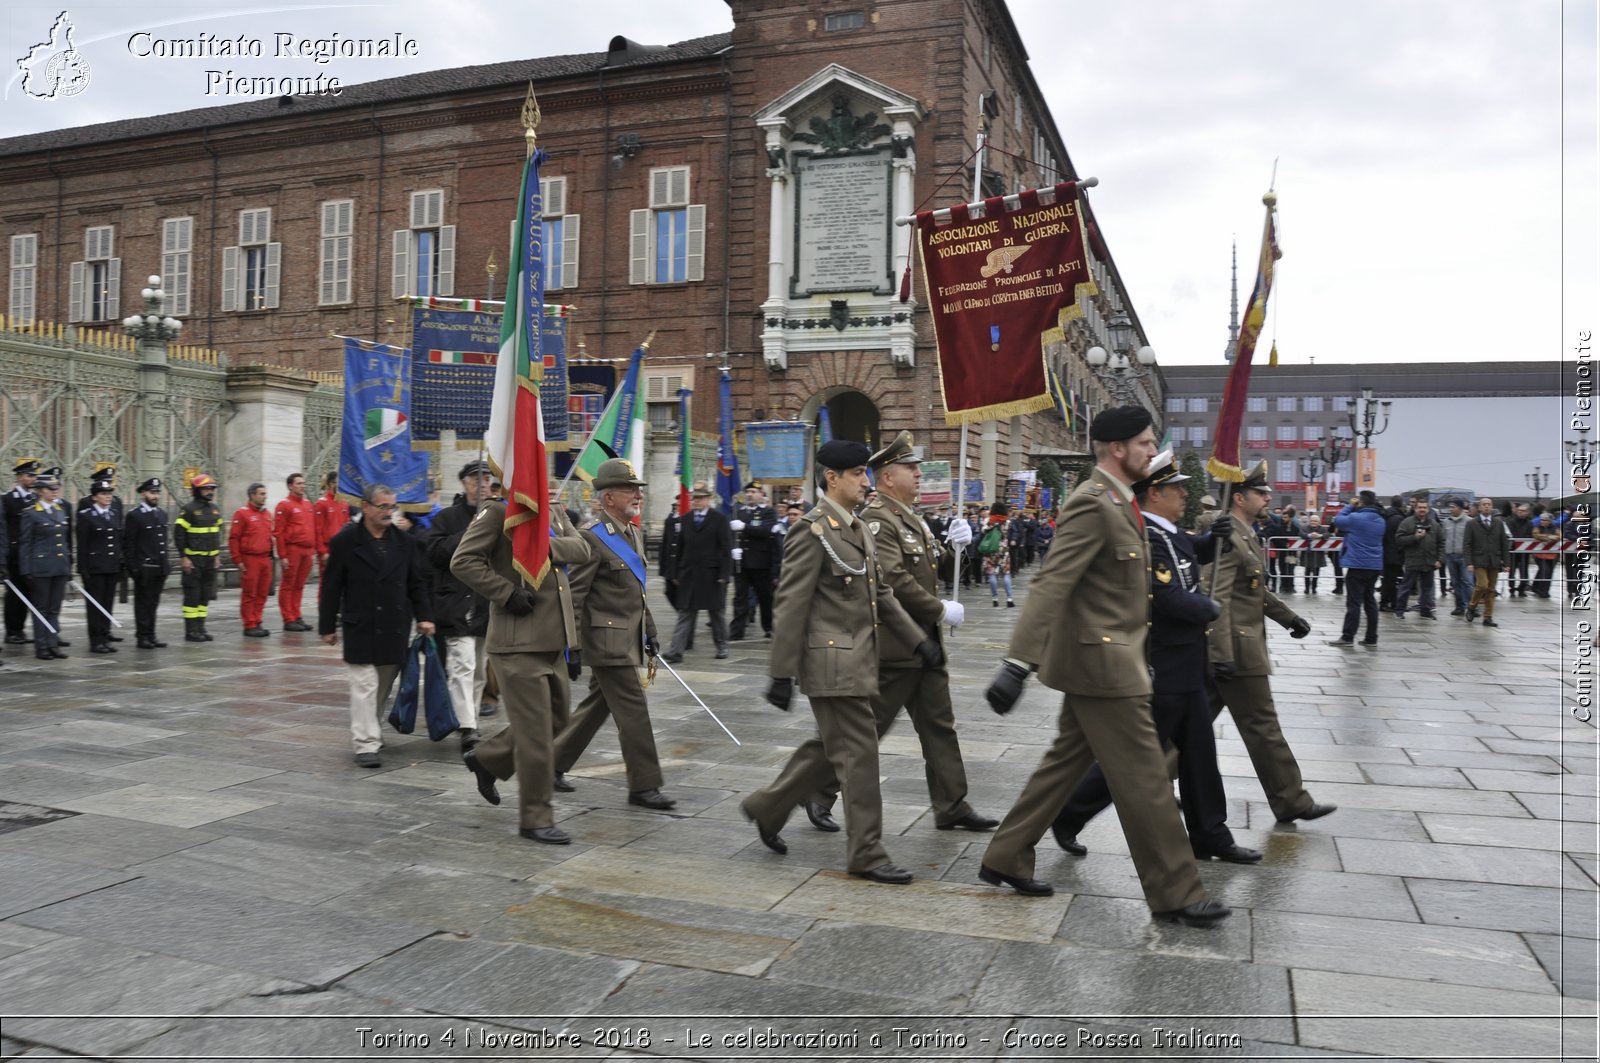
(1192, 467)
(1050, 476)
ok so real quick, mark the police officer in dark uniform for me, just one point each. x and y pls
(1181, 615)
(753, 525)
(198, 535)
(16, 500)
(145, 532)
(45, 557)
(99, 539)
(104, 472)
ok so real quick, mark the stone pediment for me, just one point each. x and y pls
(817, 106)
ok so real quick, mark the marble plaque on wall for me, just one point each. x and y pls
(842, 221)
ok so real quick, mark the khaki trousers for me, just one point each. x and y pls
(1483, 590)
(614, 690)
(464, 661)
(369, 693)
(1120, 733)
(535, 697)
(1249, 700)
(847, 751)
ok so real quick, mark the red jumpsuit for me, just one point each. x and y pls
(294, 525)
(332, 515)
(250, 543)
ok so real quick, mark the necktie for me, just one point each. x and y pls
(1138, 515)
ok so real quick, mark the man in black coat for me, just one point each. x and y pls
(16, 500)
(1181, 614)
(145, 535)
(754, 522)
(1393, 557)
(704, 560)
(375, 585)
(460, 613)
(99, 542)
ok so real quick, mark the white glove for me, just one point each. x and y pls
(954, 613)
(960, 533)
(738, 554)
(736, 525)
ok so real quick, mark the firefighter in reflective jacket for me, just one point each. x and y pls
(197, 533)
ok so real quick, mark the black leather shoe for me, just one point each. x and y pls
(17, 640)
(1342, 643)
(56, 654)
(562, 786)
(652, 798)
(821, 818)
(1316, 811)
(1458, 612)
(888, 874)
(1490, 621)
(256, 633)
(104, 647)
(45, 655)
(62, 643)
(1031, 887)
(1069, 842)
(485, 777)
(722, 653)
(1232, 854)
(297, 625)
(115, 638)
(773, 840)
(548, 835)
(970, 821)
(1200, 913)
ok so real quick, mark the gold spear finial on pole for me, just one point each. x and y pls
(530, 119)
(648, 340)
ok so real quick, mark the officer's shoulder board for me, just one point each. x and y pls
(590, 523)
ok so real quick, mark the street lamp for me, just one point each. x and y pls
(1364, 418)
(1123, 370)
(1536, 481)
(152, 326)
(1578, 455)
(1321, 461)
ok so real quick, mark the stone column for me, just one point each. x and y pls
(155, 417)
(774, 347)
(265, 438)
(903, 330)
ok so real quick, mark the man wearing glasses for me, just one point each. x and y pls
(375, 586)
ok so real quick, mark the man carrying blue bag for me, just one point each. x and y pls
(423, 679)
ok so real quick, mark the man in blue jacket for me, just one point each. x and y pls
(1364, 529)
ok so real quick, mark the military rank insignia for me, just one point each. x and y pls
(873, 527)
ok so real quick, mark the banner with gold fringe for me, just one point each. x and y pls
(1224, 461)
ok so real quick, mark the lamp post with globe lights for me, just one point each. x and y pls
(154, 330)
(1123, 370)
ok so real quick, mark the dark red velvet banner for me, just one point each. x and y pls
(1001, 287)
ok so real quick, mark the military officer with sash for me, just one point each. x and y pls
(145, 532)
(17, 499)
(617, 634)
(834, 616)
(1084, 626)
(909, 555)
(1240, 663)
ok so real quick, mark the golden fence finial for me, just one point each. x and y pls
(530, 119)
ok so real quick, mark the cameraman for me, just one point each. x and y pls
(1361, 523)
(1421, 542)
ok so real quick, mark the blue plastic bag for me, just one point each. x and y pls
(423, 674)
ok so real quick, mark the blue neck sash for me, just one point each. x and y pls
(622, 548)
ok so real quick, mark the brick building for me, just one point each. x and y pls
(734, 193)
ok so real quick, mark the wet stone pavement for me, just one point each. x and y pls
(191, 867)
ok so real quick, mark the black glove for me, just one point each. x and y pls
(1223, 670)
(574, 663)
(1216, 608)
(1222, 532)
(1300, 628)
(520, 603)
(781, 692)
(652, 647)
(932, 656)
(1006, 688)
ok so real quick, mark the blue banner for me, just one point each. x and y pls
(375, 447)
(453, 358)
(729, 483)
(972, 490)
(778, 450)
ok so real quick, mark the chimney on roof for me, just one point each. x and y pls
(621, 50)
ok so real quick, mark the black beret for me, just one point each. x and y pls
(1119, 423)
(842, 454)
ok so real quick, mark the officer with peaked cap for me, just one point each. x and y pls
(1084, 626)
(45, 557)
(830, 622)
(909, 555)
(99, 551)
(1240, 663)
(145, 534)
(16, 500)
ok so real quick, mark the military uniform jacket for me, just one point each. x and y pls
(908, 556)
(16, 500)
(831, 607)
(1239, 636)
(1180, 612)
(483, 563)
(608, 599)
(45, 545)
(756, 540)
(99, 541)
(144, 541)
(1487, 545)
(1086, 620)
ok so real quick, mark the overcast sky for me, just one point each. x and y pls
(1419, 144)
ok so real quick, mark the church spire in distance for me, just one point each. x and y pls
(1233, 309)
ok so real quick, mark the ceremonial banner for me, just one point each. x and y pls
(621, 426)
(455, 345)
(973, 489)
(375, 447)
(778, 451)
(685, 468)
(1224, 461)
(589, 391)
(515, 439)
(1001, 285)
(728, 481)
(935, 489)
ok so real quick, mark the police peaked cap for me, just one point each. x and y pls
(45, 480)
(26, 467)
(898, 452)
(1256, 478)
(1119, 423)
(842, 454)
(1163, 470)
(152, 484)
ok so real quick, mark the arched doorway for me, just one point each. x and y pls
(850, 413)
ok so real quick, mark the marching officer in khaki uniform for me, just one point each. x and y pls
(617, 633)
(1084, 626)
(909, 556)
(531, 629)
(831, 611)
(1240, 662)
